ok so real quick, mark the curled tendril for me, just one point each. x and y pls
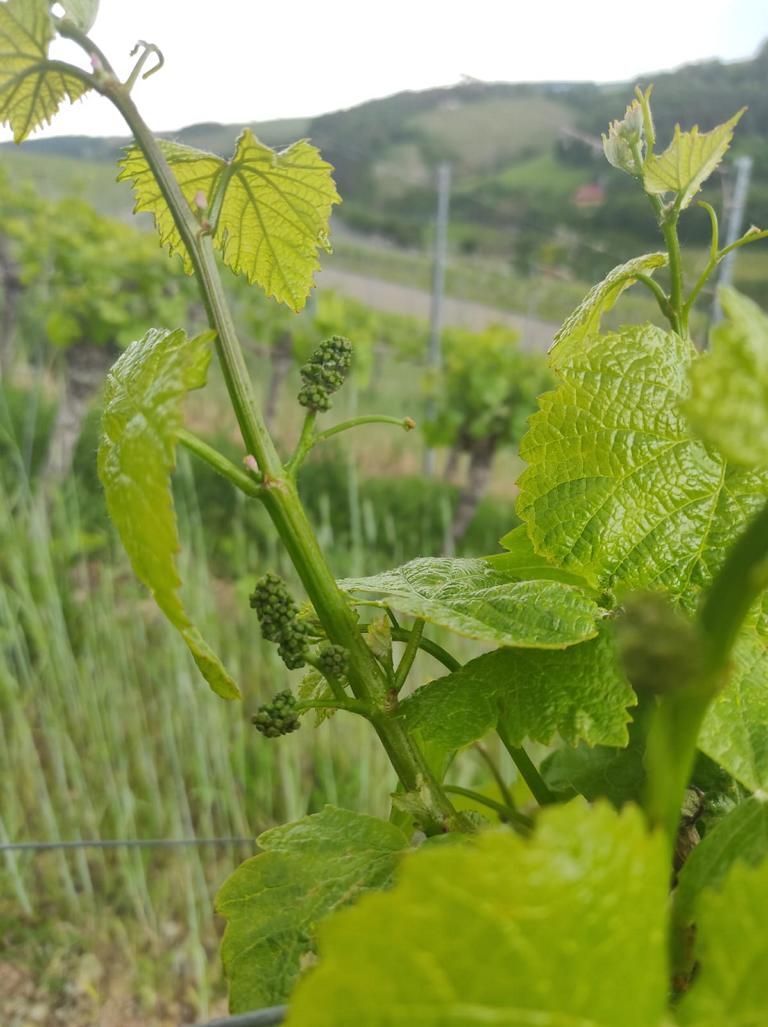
(147, 49)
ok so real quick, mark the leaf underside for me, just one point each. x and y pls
(273, 902)
(142, 413)
(578, 693)
(567, 928)
(476, 600)
(269, 211)
(30, 91)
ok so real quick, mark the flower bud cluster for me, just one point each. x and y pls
(332, 661)
(325, 372)
(277, 717)
(278, 617)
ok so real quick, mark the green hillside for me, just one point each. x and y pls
(520, 155)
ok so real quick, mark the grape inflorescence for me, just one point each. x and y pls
(325, 372)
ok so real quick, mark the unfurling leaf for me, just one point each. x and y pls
(142, 414)
(585, 320)
(567, 928)
(31, 90)
(273, 902)
(728, 405)
(617, 489)
(268, 211)
(622, 139)
(479, 601)
(688, 161)
(578, 693)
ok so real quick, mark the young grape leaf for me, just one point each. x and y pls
(601, 771)
(522, 561)
(81, 12)
(31, 89)
(476, 600)
(688, 161)
(142, 413)
(585, 320)
(567, 928)
(728, 405)
(579, 693)
(194, 170)
(273, 902)
(735, 730)
(616, 488)
(741, 836)
(732, 951)
(268, 211)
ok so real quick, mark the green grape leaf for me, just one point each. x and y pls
(521, 561)
(585, 320)
(617, 774)
(142, 413)
(735, 730)
(731, 987)
(579, 693)
(31, 88)
(194, 170)
(566, 928)
(268, 211)
(82, 12)
(273, 902)
(475, 600)
(616, 487)
(688, 161)
(740, 836)
(728, 405)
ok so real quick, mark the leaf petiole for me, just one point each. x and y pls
(518, 820)
(406, 661)
(527, 770)
(362, 709)
(245, 482)
(309, 438)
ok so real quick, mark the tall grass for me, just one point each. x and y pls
(107, 730)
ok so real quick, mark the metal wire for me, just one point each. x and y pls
(121, 843)
(261, 1018)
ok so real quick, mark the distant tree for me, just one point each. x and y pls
(484, 396)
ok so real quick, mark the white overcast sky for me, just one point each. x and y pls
(250, 60)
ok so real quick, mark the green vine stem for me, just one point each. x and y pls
(501, 784)
(667, 217)
(528, 771)
(278, 491)
(513, 816)
(658, 292)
